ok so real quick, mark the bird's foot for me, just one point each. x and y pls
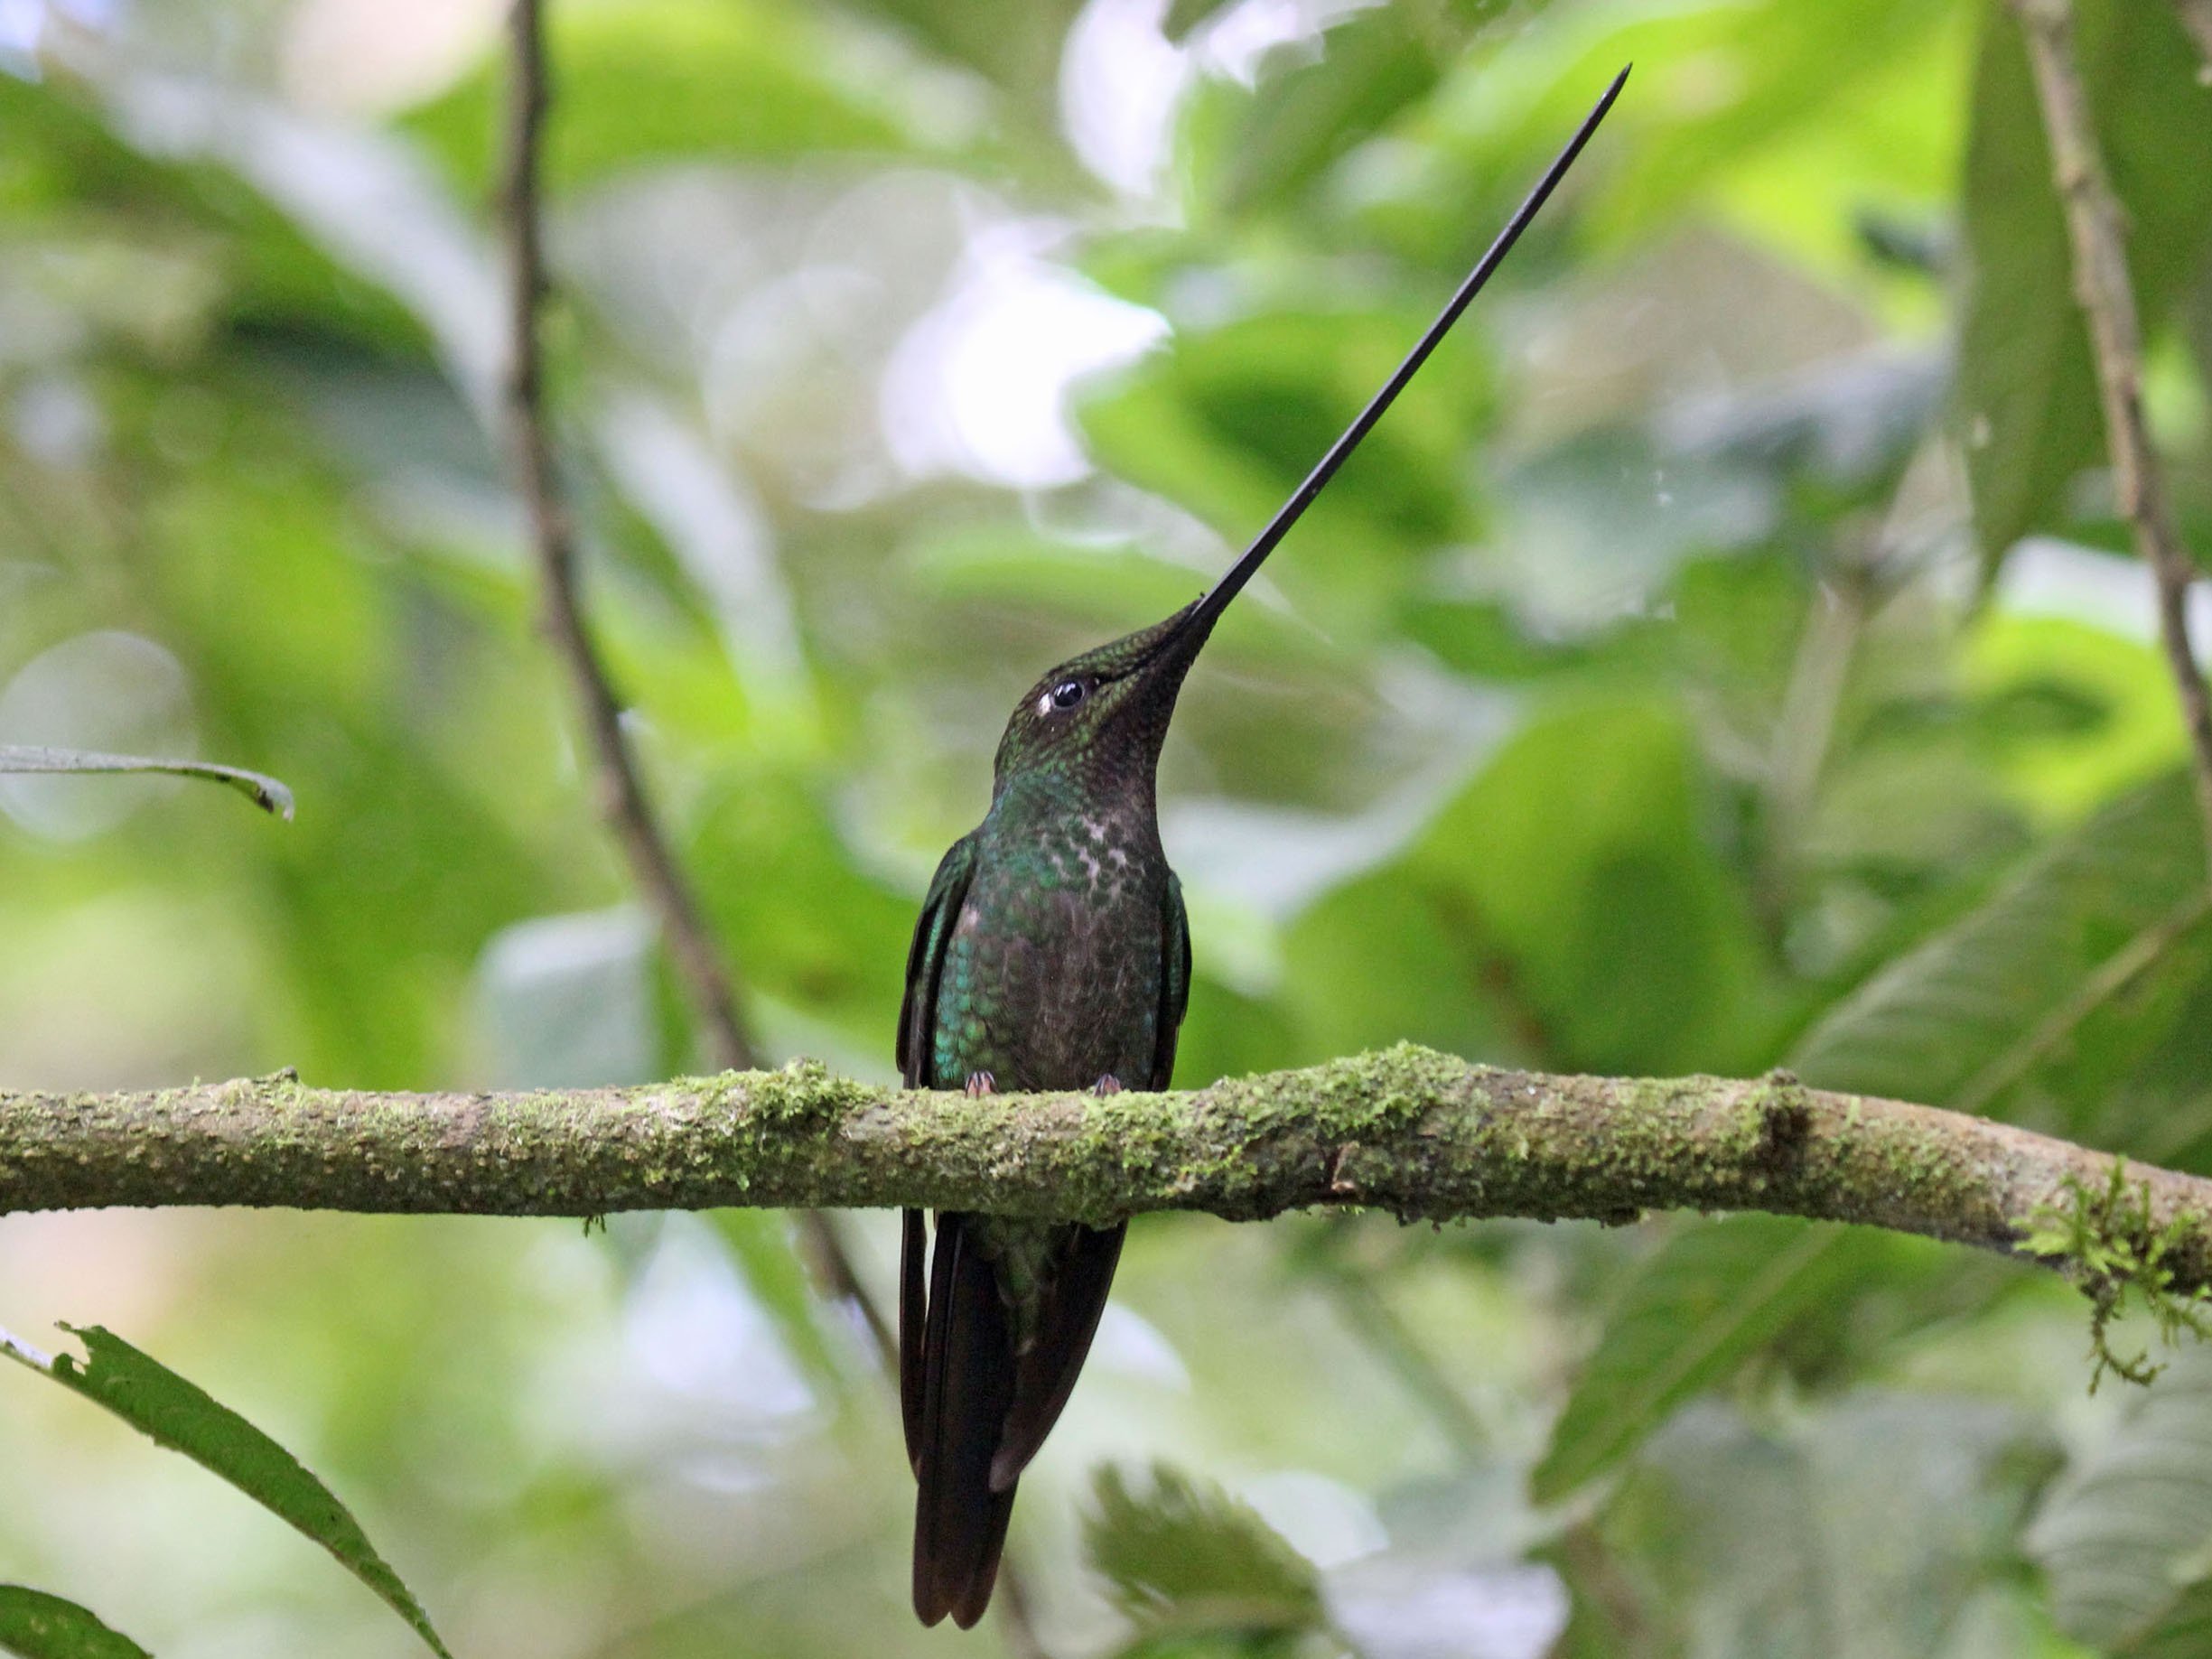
(979, 1084)
(1108, 1084)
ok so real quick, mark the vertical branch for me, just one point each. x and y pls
(705, 975)
(621, 794)
(2097, 230)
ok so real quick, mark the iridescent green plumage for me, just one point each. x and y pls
(1053, 953)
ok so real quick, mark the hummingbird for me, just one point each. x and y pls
(1053, 952)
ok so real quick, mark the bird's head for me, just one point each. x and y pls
(1101, 718)
(1104, 715)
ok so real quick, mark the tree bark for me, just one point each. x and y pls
(1426, 1136)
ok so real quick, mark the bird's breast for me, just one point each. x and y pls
(1052, 975)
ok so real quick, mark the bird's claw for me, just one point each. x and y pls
(979, 1084)
(1108, 1084)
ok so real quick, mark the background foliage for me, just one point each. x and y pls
(1719, 660)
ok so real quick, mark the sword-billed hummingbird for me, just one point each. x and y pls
(1053, 953)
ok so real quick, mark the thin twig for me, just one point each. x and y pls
(701, 966)
(622, 798)
(1592, 1570)
(2096, 227)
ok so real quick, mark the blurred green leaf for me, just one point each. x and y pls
(409, 754)
(781, 887)
(38, 1626)
(264, 791)
(1184, 16)
(104, 198)
(1441, 984)
(2027, 392)
(1863, 1529)
(1181, 1555)
(1230, 420)
(182, 1417)
(670, 80)
(2152, 1097)
(1961, 1017)
(1269, 142)
(1966, 1007)
(760, 1243)
(1764, 74)
(2127, 1531)
(1711, 1297)
(2184, 1631)
(1014, 44)
(1582, 856)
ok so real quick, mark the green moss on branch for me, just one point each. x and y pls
(1425, 1135)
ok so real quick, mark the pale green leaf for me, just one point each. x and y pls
(1182, 1554)
(1863, 1529)
(2128, 1528)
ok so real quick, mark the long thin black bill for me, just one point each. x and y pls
(1218, 597)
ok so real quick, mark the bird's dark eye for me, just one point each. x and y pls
(1067, 694)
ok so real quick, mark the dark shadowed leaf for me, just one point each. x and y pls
(38, 1626)
(1714, 1295)
(264, 791)
(182, 1417)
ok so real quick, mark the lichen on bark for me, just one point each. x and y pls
(1421, 1134)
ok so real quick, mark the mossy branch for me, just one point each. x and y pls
(2117, 1249)
(1423, 1135)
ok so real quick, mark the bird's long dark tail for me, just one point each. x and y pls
(977, 1410)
